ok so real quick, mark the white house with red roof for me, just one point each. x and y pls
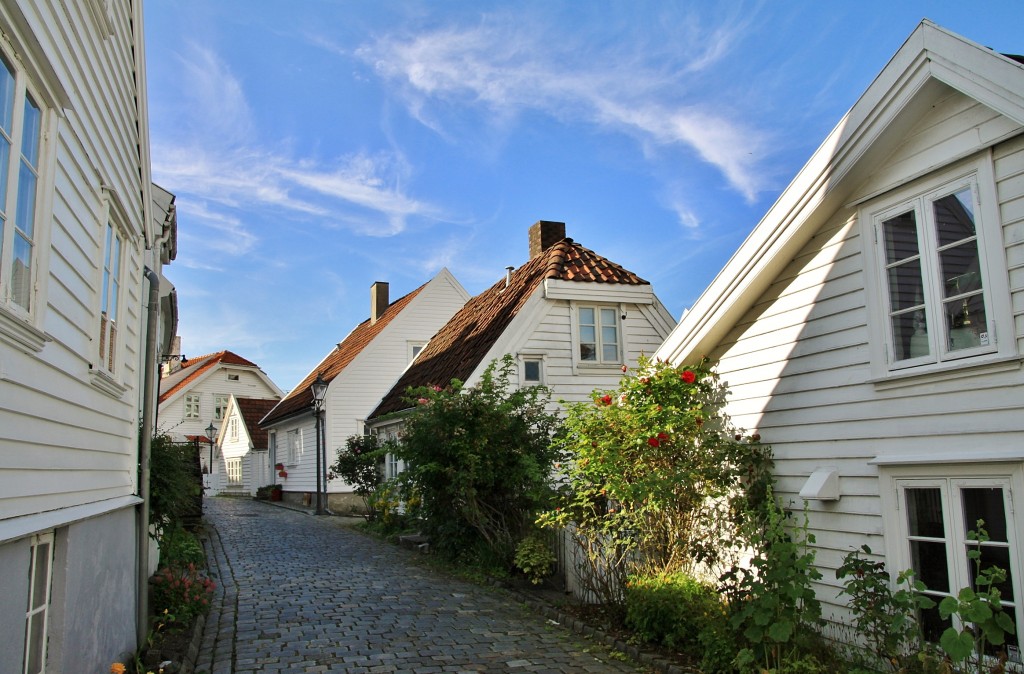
(240, 449)
(196, 392)
(570, 317)
(358, 371)
(871, 327)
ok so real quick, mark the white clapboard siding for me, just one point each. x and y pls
(69, 442)
(798, 366)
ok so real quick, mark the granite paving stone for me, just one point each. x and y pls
(300, 593)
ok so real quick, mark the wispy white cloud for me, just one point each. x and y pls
(650, 92)
(222, 161)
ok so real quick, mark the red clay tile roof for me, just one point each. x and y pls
(457, 349)
(179, 379)
(252, 410)
(301, 397)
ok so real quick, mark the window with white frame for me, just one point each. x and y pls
(192, 406)
(21, 120)
(598, 334)
(110, 292)
(935, 516)
(37, 615)
(233, 376)
(234, 470)
(294, 446)
(414, 349)
(934, 244)
(220, 406)
(233, 429)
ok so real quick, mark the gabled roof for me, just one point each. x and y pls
(301, 397)
(189, 373)
(252, 411)
(458, 348)
(930, 63)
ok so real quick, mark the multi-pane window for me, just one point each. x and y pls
(220, 406)
(598, 334)
(938, 306)
(40, 578)
(109, 294)
(938, 516)
(294, 446)
(191, 405)
(233, 429)
(234, 470)
(20, 136)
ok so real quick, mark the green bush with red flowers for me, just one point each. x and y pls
(658, 480)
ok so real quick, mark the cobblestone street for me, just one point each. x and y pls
(298, 593)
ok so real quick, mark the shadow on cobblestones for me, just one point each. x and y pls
(298, 593)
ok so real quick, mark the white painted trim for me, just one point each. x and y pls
(19, 527)
(607, 293)
(949, 456)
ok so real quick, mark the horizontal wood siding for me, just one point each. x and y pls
(799, 373)
(65, 441)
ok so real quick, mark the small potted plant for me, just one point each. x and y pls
(275, 492)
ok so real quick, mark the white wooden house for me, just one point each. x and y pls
(240, 449)
(570, 317)
(80, 227)
(195, 394)
(358, 371)
(871, 326)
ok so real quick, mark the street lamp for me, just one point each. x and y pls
(210, 430)
(319, 389)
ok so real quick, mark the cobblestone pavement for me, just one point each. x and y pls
(298, 593)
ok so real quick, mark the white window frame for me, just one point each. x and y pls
(233, 469)
(997, 338)
(220, 406)
(233, 376)
(524, 360)
(111, 295)
(597, 308)
(294, 446)
(193, 406)
(233, 429)
(950, 477)
(38, 588)
(414, 348)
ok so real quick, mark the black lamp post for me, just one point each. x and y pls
(319, 389)
(210, 430)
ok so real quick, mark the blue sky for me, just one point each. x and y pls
(317, 146)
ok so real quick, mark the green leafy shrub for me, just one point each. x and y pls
(479, 460)
(681, 612)
(359, 464)
(657, 479)
(174, 483)
(179, 548)
(535, 558)
(775, 608)
(183, 591)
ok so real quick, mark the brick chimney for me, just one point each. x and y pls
(544, 234)
(378, 300)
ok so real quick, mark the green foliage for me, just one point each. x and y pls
(658, 477)
(535, 558)
(478, 461)
(775, 608)
(183, 591)
(174, 484)
(979, 609)
(885, 619)
(683, 613)
(359, 464)
(179, 548)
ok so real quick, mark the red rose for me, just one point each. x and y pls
(663, 436)
(688, 376)
(606, 399)
(624, 368)
(653, 442)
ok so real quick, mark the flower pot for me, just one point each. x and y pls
(275, 495)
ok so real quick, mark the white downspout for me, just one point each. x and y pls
(145, 447)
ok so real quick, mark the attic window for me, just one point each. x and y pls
(598, 334)
(232, 376)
